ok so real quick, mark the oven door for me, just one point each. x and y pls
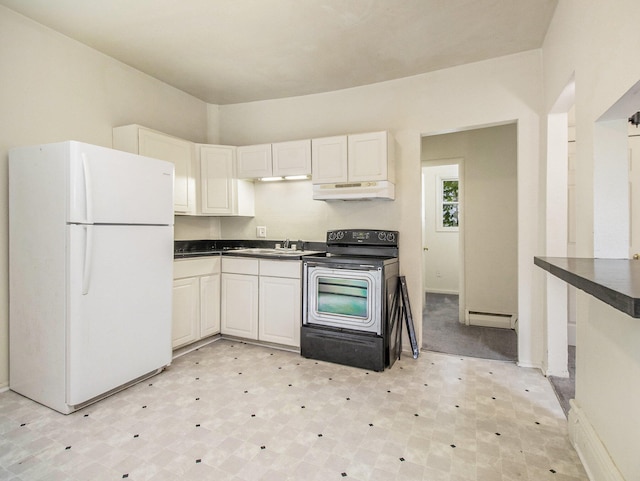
(347, 298)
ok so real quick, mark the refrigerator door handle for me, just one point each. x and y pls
(88, 197)
(88, 258)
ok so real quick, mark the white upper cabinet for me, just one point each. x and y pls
(291, 158)
(254, 161)
(329, 160)
(353, 158)
(143, 141)
(281, 159)
(216, 178)
(370, 156)
(221, 193)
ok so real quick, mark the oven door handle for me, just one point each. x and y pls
(352, 267)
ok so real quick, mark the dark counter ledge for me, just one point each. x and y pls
(615, 282)
(204, 247)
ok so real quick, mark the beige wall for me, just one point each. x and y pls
(598, 42)
(54, 89)
(490, 213)
(498, 91)
(187, 227)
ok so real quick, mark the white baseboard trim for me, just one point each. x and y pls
(529, 364)
(181, 351)
(441, 291)
(594, 456)
(490, 319)
(550, 372)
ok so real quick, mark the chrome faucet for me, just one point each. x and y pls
(286, 244)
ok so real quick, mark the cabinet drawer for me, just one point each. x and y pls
(239, 265)
(290, 269)
(201, 266)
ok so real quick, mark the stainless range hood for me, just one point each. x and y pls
(368, 190)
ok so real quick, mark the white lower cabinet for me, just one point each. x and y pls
(209, 305)
(279, 311)
(196, 299)
(239, 305)
(239, 297)
(186, 297)
(261, 299)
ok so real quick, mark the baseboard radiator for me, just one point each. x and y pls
(490, 319)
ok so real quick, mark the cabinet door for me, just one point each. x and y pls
(329, 160)
(217, 195)
(291, 158)
(239, 305)
(185, 311)
(254, 161)
(368, 157)
(209, 305)
(180, 152)
(280, 310)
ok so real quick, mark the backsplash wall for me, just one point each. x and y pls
(188, 227)
(288, 211)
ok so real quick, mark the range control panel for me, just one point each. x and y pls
(363, 237)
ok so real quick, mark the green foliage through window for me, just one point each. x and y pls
(450, 203)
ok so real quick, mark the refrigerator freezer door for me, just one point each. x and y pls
(119, 318)
(112, 187)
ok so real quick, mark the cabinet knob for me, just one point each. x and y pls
(636, 256)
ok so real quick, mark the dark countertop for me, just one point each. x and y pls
(183, 249)
(615, 282)
(278, 254)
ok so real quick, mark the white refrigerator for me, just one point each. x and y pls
(90, 271)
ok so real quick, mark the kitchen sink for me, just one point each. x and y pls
(260, 251)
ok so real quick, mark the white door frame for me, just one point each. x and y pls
(555, 363)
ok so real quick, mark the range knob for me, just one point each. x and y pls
(387, 236)
(335, 235)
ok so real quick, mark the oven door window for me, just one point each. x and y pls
(344, 298)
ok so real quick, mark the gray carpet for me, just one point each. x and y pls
(442, 332)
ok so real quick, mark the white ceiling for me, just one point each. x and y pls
(231, 51)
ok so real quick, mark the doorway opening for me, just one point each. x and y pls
(469, 226)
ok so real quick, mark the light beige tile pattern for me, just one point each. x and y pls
(232, 411)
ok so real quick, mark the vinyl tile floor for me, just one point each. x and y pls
(234, 411)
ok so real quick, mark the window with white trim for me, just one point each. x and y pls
(448, 203)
